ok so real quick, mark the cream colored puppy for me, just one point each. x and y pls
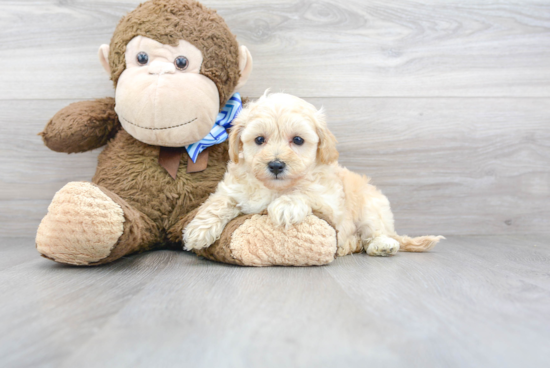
(284, 160)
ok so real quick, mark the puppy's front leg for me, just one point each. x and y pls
(208, 224)
(288, 210)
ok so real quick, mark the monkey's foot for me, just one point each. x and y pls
(82, 226)
(253, 240)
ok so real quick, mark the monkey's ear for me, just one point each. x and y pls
(104, 58)
(245, 66)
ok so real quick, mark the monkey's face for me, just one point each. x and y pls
(161, 97)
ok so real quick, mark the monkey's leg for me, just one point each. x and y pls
(89, 225)
(252, 240)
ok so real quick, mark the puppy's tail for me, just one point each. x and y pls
(419, 244)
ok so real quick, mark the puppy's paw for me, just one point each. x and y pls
(288, 210)
(383, 246)
(201, 234)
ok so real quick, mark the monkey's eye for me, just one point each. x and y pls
(181, 62)
(142, 58)
(259, 140)
(298, 141)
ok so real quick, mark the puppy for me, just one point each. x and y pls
(284, 160)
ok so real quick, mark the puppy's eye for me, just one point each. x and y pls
(259, 140)
(142, 58)
(298, 141)
(181, 62)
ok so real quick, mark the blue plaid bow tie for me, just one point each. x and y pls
(218, 134)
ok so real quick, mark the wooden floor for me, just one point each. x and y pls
(444, 103)
(471, 302)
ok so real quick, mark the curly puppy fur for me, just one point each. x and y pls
(168, 21)
(310, 180)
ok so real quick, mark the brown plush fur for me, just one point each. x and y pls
(82, 126)
(128, 172)
(130, 169)
(154, 204)
(168, 21)
(140, 232)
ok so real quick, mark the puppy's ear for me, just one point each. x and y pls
(326, 150)
(235, 143)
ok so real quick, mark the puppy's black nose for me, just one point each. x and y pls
(276, 167)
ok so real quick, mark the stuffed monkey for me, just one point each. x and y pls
(175, 66)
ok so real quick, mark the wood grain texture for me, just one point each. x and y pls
(448, 166)
(471, 302)
(443, 103)
(309, 48)
(453, 166)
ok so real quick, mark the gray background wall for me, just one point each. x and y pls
(445, 104)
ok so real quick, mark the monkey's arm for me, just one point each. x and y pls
(82, 126)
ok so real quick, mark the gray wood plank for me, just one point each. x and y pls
(49, 309)
(222, 316)
(449, 166)
(30, 165)
(472, 301)
(453, 166)
(453, 287)
(16, 251)
(526, 257)
(306, 47)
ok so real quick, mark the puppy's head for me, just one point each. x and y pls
(279, 138)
